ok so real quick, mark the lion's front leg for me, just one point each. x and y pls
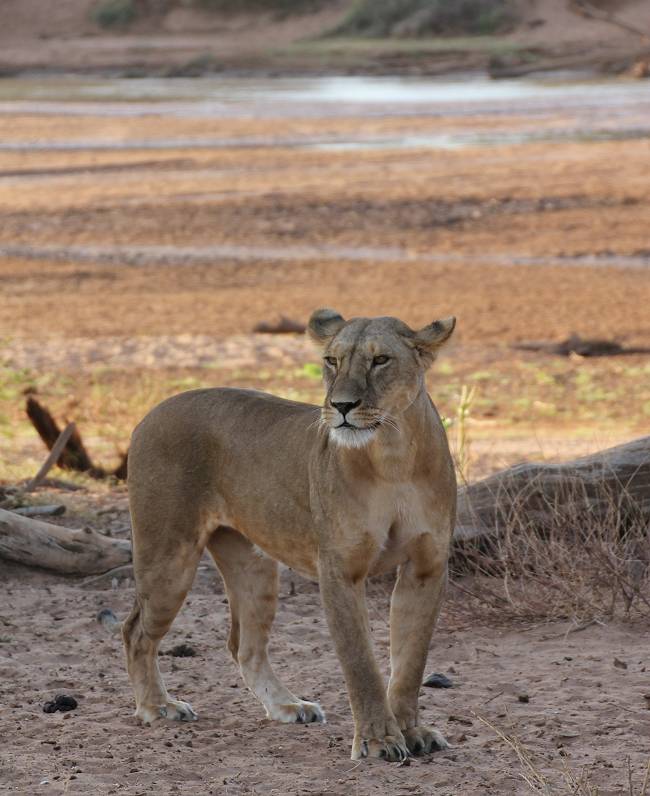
(415, 605)
(376, 732)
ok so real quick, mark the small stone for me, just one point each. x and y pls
(438, 680)
(620, 664)
(523, 698)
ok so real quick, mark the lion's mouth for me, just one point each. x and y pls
(370, 427)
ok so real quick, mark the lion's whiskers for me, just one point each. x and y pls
(319, 421)
(386, 419)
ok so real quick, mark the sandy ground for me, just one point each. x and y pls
(586, 715)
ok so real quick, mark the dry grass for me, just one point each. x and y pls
(582, 555)
(561, 780)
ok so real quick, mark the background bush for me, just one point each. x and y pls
(282, 7)
(114, 13)
(376, 18)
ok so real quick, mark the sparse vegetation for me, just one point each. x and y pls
(565, 781)
(279, 7)
(582, 557)
(115, 14)
(467, 395)
(377, 18)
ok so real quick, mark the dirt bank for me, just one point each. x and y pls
(183, 39)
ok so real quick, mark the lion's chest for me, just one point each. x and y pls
(399, 515)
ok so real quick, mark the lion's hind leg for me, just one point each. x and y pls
(163, 575)
(251, 581)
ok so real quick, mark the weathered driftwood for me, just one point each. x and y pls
(613, 481)
(616, 61)
(52, 459)
(70, 552)
(73, 455)
(51, 510)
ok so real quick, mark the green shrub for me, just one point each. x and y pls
(114, 13)
(378, 18)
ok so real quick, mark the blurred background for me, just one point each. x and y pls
(183, 181)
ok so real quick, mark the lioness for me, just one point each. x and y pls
(360, 486)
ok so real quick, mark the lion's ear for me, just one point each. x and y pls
(323, 325)
(430, 339)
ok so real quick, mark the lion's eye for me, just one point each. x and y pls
(331, 361)
(380, 360)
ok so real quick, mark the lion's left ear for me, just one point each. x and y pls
(429, 340)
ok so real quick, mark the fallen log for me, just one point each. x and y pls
(52, 458)
(582, 347)
(63, 550)
(614, 61)
(52, 510)
(613, 482)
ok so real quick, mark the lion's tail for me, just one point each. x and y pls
(109, 621)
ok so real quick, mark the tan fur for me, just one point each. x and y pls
(257, 479)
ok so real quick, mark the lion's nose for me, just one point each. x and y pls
(345, 406)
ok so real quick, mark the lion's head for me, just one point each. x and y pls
(373, 369)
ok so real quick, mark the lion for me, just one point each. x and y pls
(360, 486)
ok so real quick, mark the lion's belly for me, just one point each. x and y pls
(301, 558)
(286, 536)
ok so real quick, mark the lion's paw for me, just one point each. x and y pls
(391, 748)
(423, 739)
(301, 712)
(174, 710)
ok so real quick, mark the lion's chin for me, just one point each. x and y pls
(347, 437)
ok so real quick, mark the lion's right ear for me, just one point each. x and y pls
(323, 325)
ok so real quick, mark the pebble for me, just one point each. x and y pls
(438, 680)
